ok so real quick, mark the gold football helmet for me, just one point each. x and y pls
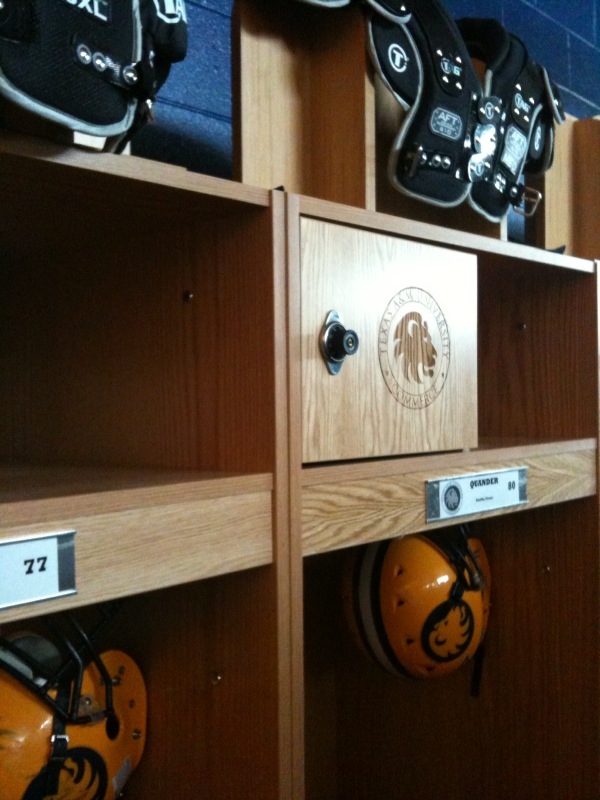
(72, 722)
(419, 604)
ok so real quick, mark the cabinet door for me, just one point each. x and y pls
(411, 385)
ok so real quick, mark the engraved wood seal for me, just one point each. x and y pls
(414, 348)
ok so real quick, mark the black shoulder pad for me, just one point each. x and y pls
(165, 21)
(531, 105)
(425, 63)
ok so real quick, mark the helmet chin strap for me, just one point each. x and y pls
(59, 741)
(459, 553)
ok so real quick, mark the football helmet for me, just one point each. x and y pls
(72, 721)
(419, 604)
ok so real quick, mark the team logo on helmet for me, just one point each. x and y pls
(171, 11)
(448, 631)
(414, 348)
(83, 771)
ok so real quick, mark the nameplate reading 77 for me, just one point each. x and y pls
(461, 495)
(37, 568)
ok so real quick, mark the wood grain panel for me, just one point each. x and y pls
(342, 513)
(484, 246)
(30, 493)
(74, 173)
(149, 347)
(552, 225)
(208, 654)
(303, 104)
(586, 141)
(126, 551)
(530, 730)
(537, 363)
(411, 402)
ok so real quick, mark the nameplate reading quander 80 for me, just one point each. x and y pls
(461, 495)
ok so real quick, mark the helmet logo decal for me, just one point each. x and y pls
(448, 631)
(83, 775)
(414, 348)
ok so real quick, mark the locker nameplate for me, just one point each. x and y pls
(475, 493)
(40, 567)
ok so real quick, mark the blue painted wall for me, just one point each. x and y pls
(562, 35)
(193, 112)
(193, 125)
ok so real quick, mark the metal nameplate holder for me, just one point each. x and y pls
(38, 567)
(475, 493)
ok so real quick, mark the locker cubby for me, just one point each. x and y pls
(139, 399)
(536, 346)
(138, 375)
(536, 406)
(527, 728)
(531, 730)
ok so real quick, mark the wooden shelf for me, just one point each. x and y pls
(352, 504)
(28, 159)
(142, 405)
(139, 530)
(508, 252)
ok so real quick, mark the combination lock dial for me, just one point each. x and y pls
(336, 342)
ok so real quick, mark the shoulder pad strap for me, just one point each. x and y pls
(165, 22)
